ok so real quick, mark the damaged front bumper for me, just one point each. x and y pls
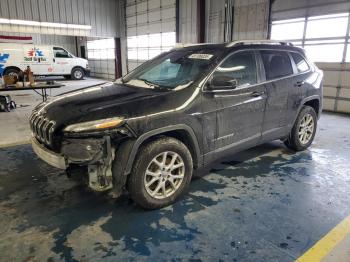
(97, 154)
(48, 156)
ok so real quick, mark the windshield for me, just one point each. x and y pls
(174, 70)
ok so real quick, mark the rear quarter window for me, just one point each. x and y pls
(277, 64)
(300, 62)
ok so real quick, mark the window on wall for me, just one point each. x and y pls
(323, 37)
(144, 47)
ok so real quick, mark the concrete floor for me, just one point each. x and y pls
(16, 130)
(264, 204)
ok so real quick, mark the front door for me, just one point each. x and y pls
(62, 61)
(239, 111)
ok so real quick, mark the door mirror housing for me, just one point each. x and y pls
(222, 82)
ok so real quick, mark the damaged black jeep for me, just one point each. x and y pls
(147, 131)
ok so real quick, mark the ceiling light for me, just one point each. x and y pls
(43, 24)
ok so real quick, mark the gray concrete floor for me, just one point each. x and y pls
(14, 125)
(263, 204)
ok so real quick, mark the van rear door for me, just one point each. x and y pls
(39, 58)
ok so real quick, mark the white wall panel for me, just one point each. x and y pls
(286, 9)
(104, 16)
(336, 86)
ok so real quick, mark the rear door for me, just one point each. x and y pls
(239, 111)
(279, 82)
(39, 58)
(300, 85)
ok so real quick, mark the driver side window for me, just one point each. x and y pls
(60, 53)
(241, 67)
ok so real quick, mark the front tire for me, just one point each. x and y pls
(77, 73)
(304, 130)
(161, 172)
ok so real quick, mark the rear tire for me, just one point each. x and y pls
(12, 72)
(77, 73)
(168, 163)
(303, 131)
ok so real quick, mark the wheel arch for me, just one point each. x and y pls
(11, 67)
(310, 101)
(181, 132)
(75, 67)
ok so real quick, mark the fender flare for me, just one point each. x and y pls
(11, 67)
(159, 131)
(305, 100)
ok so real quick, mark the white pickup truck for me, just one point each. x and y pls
(44, 60)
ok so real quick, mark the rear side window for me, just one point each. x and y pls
(300, 62)
(277, 64)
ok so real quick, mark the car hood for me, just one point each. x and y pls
(109, 100)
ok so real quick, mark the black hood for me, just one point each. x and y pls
(109, 100)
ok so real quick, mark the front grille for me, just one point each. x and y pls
(42, 128)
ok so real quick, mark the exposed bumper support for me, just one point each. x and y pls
(49, 157)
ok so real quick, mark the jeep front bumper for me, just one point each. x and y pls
(48, 156)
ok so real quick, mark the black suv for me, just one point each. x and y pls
(177, 112)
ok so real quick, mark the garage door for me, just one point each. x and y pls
(150, 29)
(101, 56)
(326, 39)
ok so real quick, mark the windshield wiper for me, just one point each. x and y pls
(149, 83)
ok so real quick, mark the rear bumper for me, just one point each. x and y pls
(48, 156)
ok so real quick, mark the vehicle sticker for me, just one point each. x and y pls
(201, 56)
(34, 54)
(3, 60)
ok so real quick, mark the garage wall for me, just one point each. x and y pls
(250, 19)
(336, 74)
(67, 42)
(188, 26)
(215, 21)
(150, 29)
(285, 9)
(102, 15)
(229, 20)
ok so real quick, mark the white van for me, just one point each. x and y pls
(43, 60)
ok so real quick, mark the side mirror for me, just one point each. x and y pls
(219, 82)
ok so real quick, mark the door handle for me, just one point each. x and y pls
(257, 94)
(54, 60)
(300, 83)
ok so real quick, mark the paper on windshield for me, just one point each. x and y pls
(201, 56)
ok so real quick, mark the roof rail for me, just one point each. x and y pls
(258, 42)
(182, 45)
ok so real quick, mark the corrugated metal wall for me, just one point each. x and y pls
(103, 15)
(229, 20)
(215, 21)
(250, 19)
(286, 9)
(336, 75)
(67, 42)
(188, 21)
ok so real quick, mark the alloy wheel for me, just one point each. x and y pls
(306, 129)
(164, 175)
